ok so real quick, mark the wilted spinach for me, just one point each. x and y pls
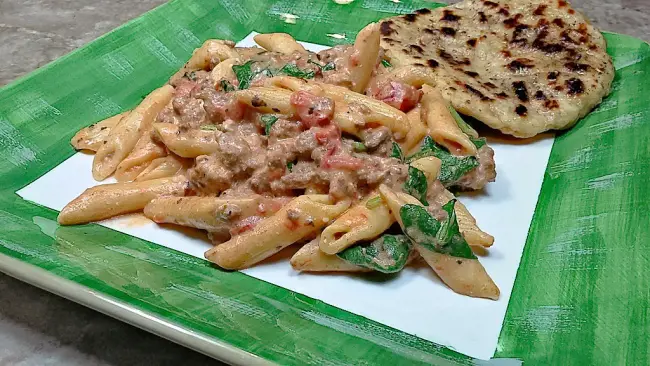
(423, 229)
(452, 168)
(387, 254)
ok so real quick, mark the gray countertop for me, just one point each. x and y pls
(37, 328)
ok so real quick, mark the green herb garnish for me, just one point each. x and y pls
(416, 185)
(433, 235)
(209, 127)
(268, 120)
(452, 168)
(397, 152)
(388, 254)
(359, 147)
(290, 165)
(226, 86)
(374, 202)
(385, 63)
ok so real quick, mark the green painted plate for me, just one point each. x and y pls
(581, 294)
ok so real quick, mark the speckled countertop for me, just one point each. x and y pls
(37, 328)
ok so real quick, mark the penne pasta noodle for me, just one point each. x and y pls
(279, 42)
(311, 259)
(442, 126)
(417, 130)
(294, 84)
(411, 75)
(92, 137)
(267, 100)
(208, 213)
(430, 166)
(365, 57)
(167, 166)
(224, 70)
(301, 217)
(108, 200)
(190, 144)
(144, 152)
(377, 111)
(366, 220)
(465, 276)
(467, 223)
(125, 135)
(211, 53)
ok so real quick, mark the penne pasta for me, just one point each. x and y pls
(267, 100)
(144, 152)
(311, 259)
(301, 217)
(365, 57)
(411, 75)
(125, 135)
(442, 126)
(224, 70)
(92, 137)
(108, 200)
(211, 53)
(189, 144)
(279, 42)
(376, 112)
(366, 220)
(467, 223)
(167, 166)
(430, 166)
(417, 130)
(208, 213)
(463, 275)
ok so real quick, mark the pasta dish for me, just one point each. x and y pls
(339, 151)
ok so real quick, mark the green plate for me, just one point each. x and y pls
(582, 290)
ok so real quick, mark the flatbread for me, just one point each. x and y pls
(519, 66)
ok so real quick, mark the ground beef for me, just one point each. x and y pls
(481, 175)
(209, 175)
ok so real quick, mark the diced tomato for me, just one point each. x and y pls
(329, 134)
(396, 94)
(311, 109)
(185, 88)
(245, 225)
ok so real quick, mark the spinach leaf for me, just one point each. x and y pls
(268, 120)
(416, 185)
(244, 74)
(479, 142)
(452, 168)
(295, 71)
(327, 67)
(385, 63)
(226, 86)
(397, 152)
(464, 126)
(438, 237)
(387, 254)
